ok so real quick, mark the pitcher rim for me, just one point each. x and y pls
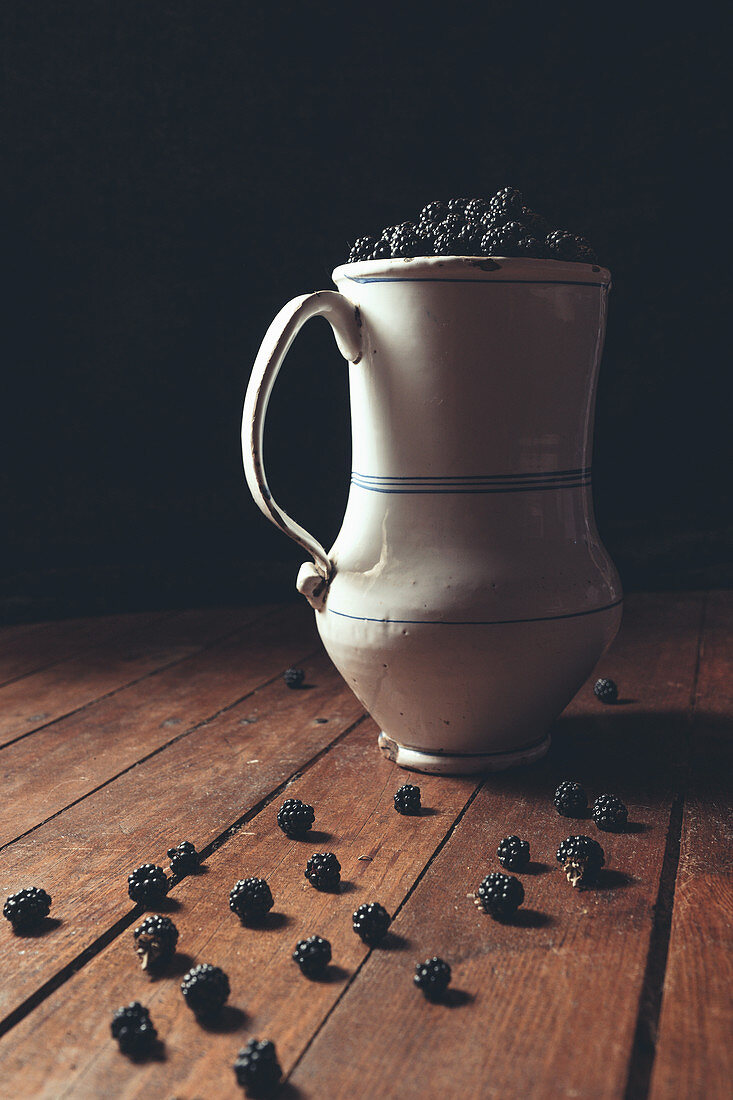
(472, 269)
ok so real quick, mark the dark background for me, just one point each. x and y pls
(175, 172)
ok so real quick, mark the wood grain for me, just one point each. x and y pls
(37, 645)
(192, 790)
(64, 1047)
(43, 697)
(545, 1006)
(694, 1055)
(67, 760)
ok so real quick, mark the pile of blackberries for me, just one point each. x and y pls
(500, 226)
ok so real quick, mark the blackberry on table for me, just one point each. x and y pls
(581, 859)
(155, 942)
(134, 1030)
(362, 249)
(27, 908)
(148, 885)
(295, 818)
(257, 1069)
(184, 859)
(610, 814)
(370, 922)
(312, 956)
(500, 895)
(251, 899)
(457, 206)
(513, 853)
(205, 989)
(570, 799)
(323, 871)
(568, 246)
(294, 677)
(407, 799)
(606, 690)
(432, 977)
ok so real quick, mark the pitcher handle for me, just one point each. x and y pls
(345, 321)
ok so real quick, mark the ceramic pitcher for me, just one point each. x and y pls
(467, 596)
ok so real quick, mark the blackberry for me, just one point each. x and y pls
(205, 989)
(450, 226)
(312, 956)
(513, 853)
(610, 814)
(382, 249)
(535, 223)
(606, 691)
(155, 942)
(293, 677)
(251, 899)
(424, 239)
(134, 1030)
(469, 238)
(503, 240)
(570, 799)
(476, 210)
(531, 247)
(362, 249)
(323, 871)
(447, 236)
(567, 246)
(581, 858)
(295, 818)
(184, 859)
(370, 922)
(433, 213)
(27, 908)
(457, 206)
(432, 977)
(500, 895)
(407, 799)
(446, 244)
(506, 204)
(257, 1069)
(405, 241)
(147, 885)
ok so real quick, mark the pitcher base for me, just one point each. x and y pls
(460, 763)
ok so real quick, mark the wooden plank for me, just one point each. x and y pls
(694, 1056)
(545, 1006)
(39, 645)
(35, 700)
(195, 789)
(536, 994)
(46, 1054)
(65, 761)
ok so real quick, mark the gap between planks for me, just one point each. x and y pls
(202, 785)
(65, 761)
(643, 1053)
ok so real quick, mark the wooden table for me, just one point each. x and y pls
(123, 736)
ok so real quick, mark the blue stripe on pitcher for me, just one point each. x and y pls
(477, 622)
(474, 483)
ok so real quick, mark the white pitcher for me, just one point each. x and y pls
(467, 596)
